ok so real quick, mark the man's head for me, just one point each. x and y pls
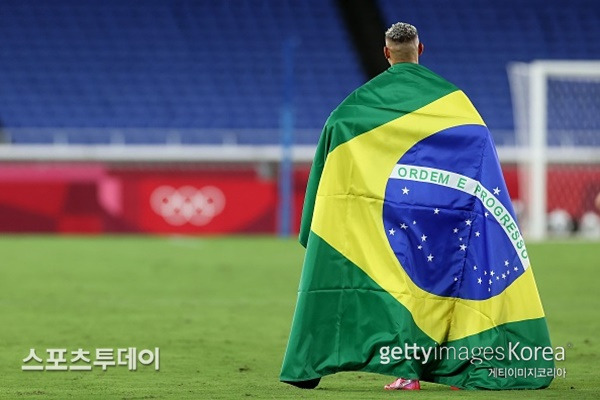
(402, 44)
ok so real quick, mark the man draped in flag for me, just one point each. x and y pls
(415, 266)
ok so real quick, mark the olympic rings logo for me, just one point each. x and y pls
(187, 204)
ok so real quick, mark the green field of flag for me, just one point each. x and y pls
(219, 310)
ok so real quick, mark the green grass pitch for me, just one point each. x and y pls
(220, 310)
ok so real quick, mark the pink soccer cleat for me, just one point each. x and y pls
(404, 384)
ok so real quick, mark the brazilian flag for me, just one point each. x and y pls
(415, 266)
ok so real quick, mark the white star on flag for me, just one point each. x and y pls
(477, 234)
(460, 239)
(436, 211)
(430, 258)
(468, 222)
(506, 263)
(479, 280)
(475, 267)
(403, 226)
(516, 268)
(419, 247)
(486, 213)
(424, 238)
(414, 222)
(492, 272)
(503, 276)
(507, 272)
(490, 281)
(405, 190)
(497, 278)
(496, 191)
(392, 231)
(463, 247)
(455, 230)
(455, 279)
(485, 272)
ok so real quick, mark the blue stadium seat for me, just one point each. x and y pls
(471, 42)
(199, 65)
(164, 64)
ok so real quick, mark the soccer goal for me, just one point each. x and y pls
(556, 106)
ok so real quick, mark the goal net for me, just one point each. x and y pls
(556, 107)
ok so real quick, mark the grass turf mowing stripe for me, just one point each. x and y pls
(220, 310)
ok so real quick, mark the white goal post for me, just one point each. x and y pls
(545, 137)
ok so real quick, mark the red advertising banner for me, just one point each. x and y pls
(188, 199)
(76, 198)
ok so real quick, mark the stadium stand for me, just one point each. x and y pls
(211, 71)
(199, 67)
(471, 42)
